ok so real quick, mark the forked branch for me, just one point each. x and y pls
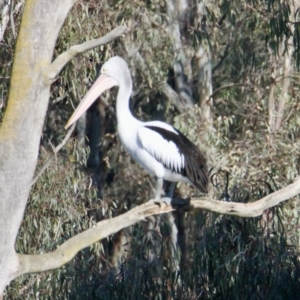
(66, 56)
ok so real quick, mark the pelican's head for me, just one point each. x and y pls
(114, 72)
(116, 68)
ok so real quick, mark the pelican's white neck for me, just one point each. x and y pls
(124, 115)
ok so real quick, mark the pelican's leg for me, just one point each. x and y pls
(171, 190)
(159, 189)
(168, 198)
(159, 192)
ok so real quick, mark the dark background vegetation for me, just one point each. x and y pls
(220, 257)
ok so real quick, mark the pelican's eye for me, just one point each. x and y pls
(103, 70)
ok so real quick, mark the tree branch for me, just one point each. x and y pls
(64, 253)
(55, 151)
(66, 56)
(230, 85)
(175, 99)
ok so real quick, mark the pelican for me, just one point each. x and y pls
(158, 147)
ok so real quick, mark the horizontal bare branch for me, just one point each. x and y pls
(64, 253)
(66, 56)
(250, 209)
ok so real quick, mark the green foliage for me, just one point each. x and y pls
(238, 260)
(227, 257)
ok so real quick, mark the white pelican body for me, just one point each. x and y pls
(157, 146)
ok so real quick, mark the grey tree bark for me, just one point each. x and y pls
(22, 124)
(283, 62)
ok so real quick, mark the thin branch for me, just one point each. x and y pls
(230, 85)
(55, 151)
(66, 56)
(64, 253)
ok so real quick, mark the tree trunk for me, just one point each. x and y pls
(285, 63)
(21, 128)
(203, 58)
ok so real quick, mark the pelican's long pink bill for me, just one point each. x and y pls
(102, 84)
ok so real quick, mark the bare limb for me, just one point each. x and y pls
(64, 253)
(55, 151)
(251, 209)
(175, 99)
(66, 56)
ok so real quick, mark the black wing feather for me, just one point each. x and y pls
(195, 168)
